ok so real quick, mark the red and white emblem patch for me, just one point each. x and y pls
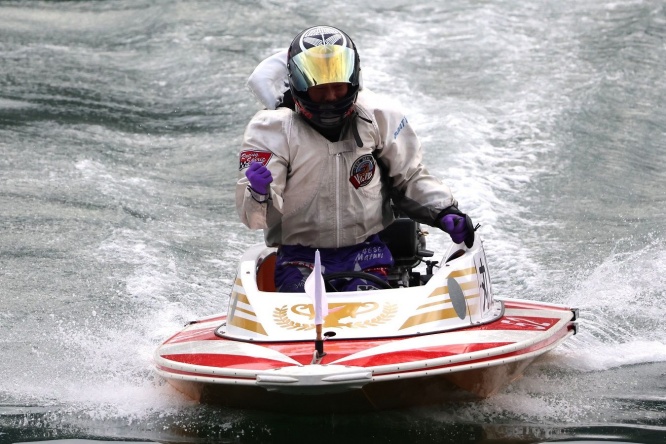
(362, 171)
(247, 157)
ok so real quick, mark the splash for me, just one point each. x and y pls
(622, 304)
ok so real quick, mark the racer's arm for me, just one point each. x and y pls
(264, 142)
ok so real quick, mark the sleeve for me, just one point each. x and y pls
(414, 191)
(264, 141)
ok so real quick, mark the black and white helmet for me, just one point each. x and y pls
(317, 56)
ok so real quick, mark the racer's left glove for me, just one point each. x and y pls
(458, 225)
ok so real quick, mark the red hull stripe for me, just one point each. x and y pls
(494, 359)
(419, 354)
(541, 345)
(227, 361)
(255, 363)
(522, 323)
(236, 362)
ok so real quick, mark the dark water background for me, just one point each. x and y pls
(120, 123)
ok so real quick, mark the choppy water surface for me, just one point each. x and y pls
(119, 129)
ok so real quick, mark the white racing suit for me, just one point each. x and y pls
(336, 194)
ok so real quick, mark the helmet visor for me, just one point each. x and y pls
(321, 65)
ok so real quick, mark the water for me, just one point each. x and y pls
(120, 124)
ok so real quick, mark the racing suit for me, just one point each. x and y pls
(336, 194)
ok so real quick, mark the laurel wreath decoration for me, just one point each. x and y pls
(386, 315)
(282, 319)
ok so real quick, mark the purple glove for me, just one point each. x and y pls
(259, 176)
(456, 226)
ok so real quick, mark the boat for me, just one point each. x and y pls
(435, 334)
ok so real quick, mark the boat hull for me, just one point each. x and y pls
(465, 386)
(364, 375)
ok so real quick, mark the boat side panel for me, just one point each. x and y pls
(508, 335)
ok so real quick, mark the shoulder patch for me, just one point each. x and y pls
(248, 157)
(362, 171)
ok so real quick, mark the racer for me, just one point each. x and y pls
(327, 163)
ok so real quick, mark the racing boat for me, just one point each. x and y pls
(435, 334)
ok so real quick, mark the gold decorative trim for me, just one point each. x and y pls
(281, 318)
(249, 325)
(445, 289)
(437, 315)
(242, 298)
(462, 272)
(445, 301)
(242, 310)
(439, 291)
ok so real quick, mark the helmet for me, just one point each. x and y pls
(317, 56)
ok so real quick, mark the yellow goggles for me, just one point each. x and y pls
(321, 65)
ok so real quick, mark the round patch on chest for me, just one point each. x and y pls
(362, 171)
